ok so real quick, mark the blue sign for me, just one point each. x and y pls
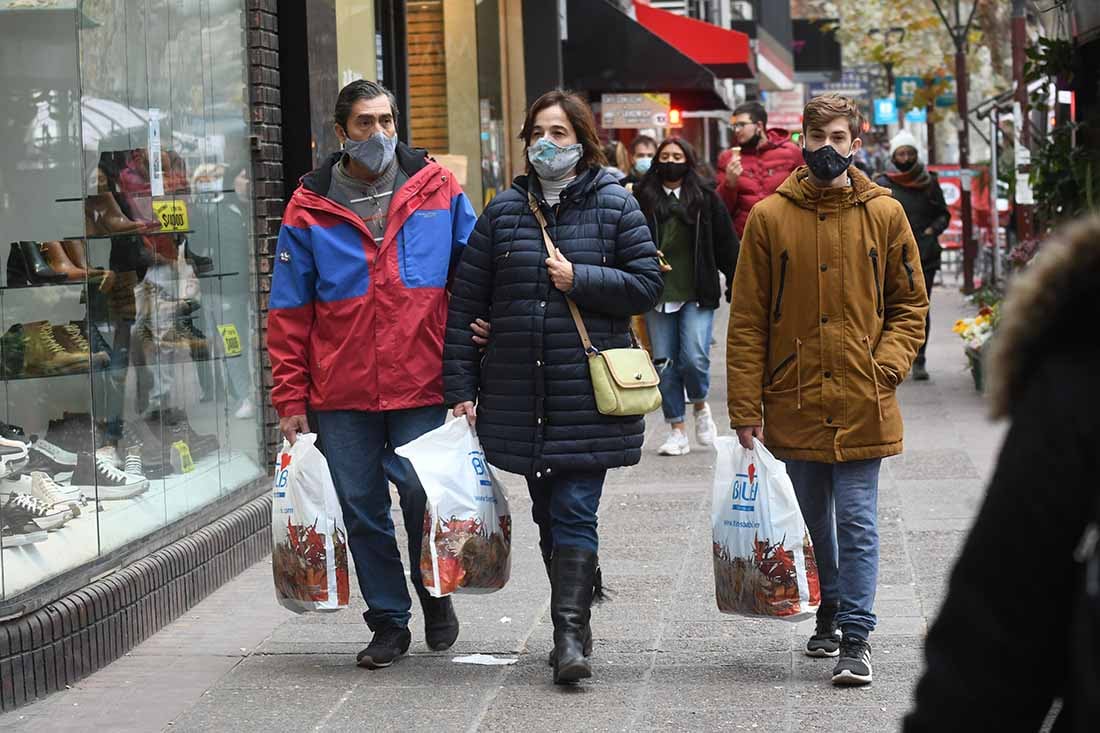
(886, 112)
(916, 115)
(906, 86)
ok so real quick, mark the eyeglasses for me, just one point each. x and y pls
(736, 126)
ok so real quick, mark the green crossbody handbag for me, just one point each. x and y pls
(624, 381)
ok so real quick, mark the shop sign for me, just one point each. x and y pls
(785, 107)
(886, 112)
(230, 339)
(172, 215)
(855, 84)
(906, 86)
(635, 111)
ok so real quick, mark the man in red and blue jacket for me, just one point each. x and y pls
(356, 322)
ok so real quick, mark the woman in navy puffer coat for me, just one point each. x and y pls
(536, 413)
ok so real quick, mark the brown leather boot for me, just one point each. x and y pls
(103, 217)
(72, 340)
(59, 261)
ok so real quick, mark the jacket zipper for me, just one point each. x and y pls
(782, 364)
(878, 288)
(783, 257)
(908, 267)
(698, 221)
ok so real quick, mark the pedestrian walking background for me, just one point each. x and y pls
(666, 658)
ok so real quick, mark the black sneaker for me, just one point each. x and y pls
(97, 477)
(826, 639)
(389, 643)
(854, 666)
(440, 622)
(920, 373)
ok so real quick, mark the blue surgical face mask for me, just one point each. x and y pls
(375, 153)
(642, 165)
(551, 161)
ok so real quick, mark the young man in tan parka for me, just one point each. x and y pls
(827, 315)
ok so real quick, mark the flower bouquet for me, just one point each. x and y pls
(976, 332)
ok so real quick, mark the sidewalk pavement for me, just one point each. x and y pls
(665, 658)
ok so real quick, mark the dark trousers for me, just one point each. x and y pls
(564, 507)
(929, 278)
(359, 449)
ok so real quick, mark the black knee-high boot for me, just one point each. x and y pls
(573, 577)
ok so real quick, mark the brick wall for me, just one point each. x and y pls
(267, 171)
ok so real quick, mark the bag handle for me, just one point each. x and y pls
(589, 349)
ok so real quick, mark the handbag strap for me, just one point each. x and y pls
(551, 250)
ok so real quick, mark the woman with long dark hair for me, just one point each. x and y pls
(695, 237)
(535, 408)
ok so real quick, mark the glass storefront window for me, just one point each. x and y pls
(128, 310)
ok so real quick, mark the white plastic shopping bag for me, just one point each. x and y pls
(310, 551)
(467, 524)
(763, 559)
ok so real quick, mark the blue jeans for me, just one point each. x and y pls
(359, 449)
(683, 338)
(839, 502)
(564, 507)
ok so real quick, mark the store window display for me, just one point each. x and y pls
(128, 382)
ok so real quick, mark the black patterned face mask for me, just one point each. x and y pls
(826, 163)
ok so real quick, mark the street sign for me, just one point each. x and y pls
(855, 84)
(634, 111)
(906, 86)
(886, 111)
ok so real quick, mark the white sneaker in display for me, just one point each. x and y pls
(705, 429)
(246, 411)
(54, 495)
(108, 453)
(675, 445)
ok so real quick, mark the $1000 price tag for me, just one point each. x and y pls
(171, 215)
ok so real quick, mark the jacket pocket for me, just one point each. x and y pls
(908, 267)
(783, 259)
(873, 254)
(781, 374)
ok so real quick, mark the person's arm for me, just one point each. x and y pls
(1010, 594)
(904, 299)
(727, 186)
(471, 297)
(749, 327)
(942, 219)
(290, 320)
(726, 244)
(463, 220)
(634, 284)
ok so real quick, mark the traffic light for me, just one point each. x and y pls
(675, 119)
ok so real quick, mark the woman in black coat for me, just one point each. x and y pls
(1020, 626)
(695, 236)
(535, 409)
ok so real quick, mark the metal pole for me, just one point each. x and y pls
(1025, 222)
(962, 88)
(994, 217)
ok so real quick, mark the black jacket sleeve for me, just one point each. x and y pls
(941, 215)
(725, 242)
(1010, 592)
(634, 284)
(471, 297)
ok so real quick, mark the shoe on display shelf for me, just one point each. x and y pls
(51, 460)
(54, 494)
(12, 460)
(73, 341)
(137, 437)
(98, 478)
(133, 464)
(13, 435)
(27, 266)
(110, 454)
(44, 356)
(25, 509)
(16, 535)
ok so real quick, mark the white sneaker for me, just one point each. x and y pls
(108, 453)
(675, 445)
(705, 429)
(49, 491)
(246, 411)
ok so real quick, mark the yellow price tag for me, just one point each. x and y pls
(231, 339)
(172, 215)
(183, 453)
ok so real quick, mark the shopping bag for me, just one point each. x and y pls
(467, 524)
(763, 558)
(309, 558)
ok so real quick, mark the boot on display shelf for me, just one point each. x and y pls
(73, 341)
(201, 263)
(27, 266)
(59, 261)
(93, 337)
(13, 346)
(45, 357)
(103, 217)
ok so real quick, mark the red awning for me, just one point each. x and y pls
(725, 52)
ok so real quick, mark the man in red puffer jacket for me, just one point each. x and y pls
(757, 165)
